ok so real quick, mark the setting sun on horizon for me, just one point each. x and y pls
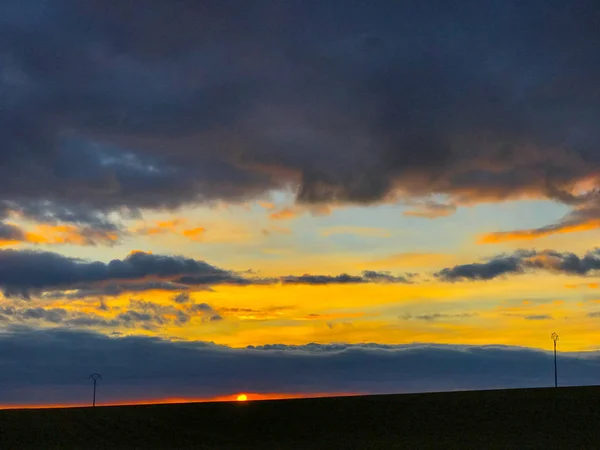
(241, 397)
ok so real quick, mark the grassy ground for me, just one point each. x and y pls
(516, 419)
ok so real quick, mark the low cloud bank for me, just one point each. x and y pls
(53, 366)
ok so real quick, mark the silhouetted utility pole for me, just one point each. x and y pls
(95, 377)
(554, 337)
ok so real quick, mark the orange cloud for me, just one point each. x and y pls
(195, 234)
(284, 214)
(168, 226)
(267, 205)
(536, 233)
(70, 234)
(173, 227)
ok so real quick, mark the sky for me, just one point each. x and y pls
(199, 199)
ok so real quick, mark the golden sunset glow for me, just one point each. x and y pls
(242, 398)
(259, 315)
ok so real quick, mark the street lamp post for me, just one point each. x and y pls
(554, 337)
(95, 377)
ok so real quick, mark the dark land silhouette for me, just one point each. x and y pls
(505, 419)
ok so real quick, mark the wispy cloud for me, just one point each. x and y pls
(411, 260)
(47, 234)
(137, 315)
(273, 230)
(538, 317)
(368, 276)
(355, 231)
(431, 210)
(70, 234)
(432, 317)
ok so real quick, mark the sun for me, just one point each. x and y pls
(242, 398)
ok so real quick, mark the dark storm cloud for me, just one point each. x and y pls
(164, 103)
(383, 277)
(525, 260)
(53, 366)
(25, 271)
(495, 267)
(9, 233)
(51, 275)
(114, 290)
(322, 279)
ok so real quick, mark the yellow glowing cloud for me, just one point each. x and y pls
(8, 242)
(133, 252)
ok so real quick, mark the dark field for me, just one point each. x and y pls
(565, 418)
